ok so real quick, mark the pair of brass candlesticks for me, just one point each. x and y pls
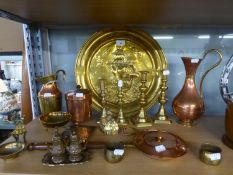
(161, 117)
(142, 119)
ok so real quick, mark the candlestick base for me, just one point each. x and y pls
(162, 118)
(142, 120)
(121, 121)
(143, 125)
(159, 121)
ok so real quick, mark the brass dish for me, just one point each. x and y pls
(120, 53)
(160, 144)
(11, 150)
(55, 119)
(210, 154)
(114, 152)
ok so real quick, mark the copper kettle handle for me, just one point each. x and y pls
(210, 68)
(64, 73)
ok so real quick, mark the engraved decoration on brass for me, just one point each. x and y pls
(120, 54)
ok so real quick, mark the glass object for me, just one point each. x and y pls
(224, 81)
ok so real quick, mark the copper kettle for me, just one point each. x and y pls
(50, 96)
(188, 105)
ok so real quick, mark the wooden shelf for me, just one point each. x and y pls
(121, 12)
(207, 129)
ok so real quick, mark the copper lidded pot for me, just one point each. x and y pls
(78, 103)
(188, 105)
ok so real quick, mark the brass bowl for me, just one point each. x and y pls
(11, 150)
(55, 119)
(114, 152)
(210, 154)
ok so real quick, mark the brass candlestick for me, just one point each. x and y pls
(161, 116)
(103, 101)
(120, 119)
(142, 119)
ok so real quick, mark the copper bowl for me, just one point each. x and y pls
(55, 119)
(11, 150)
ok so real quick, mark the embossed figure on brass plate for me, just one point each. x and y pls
(123, 68)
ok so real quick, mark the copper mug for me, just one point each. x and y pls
(188, 105)
(79, 105)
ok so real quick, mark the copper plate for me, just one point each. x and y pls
(160, 144)
(121, 53)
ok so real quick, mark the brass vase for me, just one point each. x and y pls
(188, 105)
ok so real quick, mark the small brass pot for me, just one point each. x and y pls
(114, 152)
(210, 154)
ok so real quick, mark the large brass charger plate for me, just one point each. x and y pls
(114, 54)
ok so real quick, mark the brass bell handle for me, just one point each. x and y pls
(64, 73)
(211, 67)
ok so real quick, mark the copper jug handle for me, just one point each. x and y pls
(211, 67)
(64, 73)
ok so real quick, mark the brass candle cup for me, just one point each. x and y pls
(210, 154)
(114, 152)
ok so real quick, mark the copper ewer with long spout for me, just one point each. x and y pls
(188, 105)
